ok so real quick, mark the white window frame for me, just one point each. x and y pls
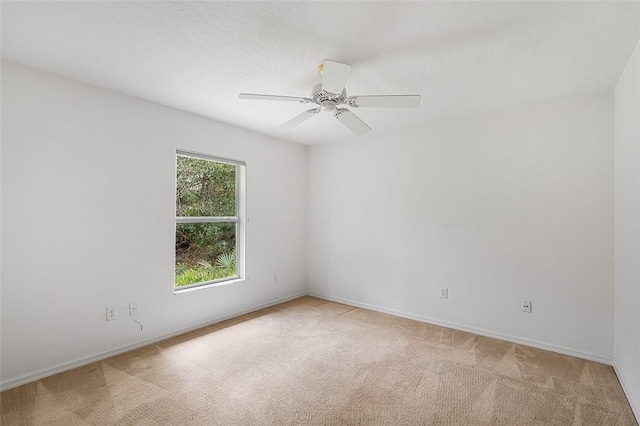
(239, 219)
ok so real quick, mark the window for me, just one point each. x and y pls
(209, 220)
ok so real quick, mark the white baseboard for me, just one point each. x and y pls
(487, 333)
(635, 405)
(30, 377)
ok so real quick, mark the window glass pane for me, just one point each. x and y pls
(205, 188)
(205, 252)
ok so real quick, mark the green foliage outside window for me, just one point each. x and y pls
(205, 188)
(205, 251)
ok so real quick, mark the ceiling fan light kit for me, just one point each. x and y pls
(331, 93)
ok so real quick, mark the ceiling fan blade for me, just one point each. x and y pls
(385, 101)
(300, 118)
(352, 122)
(255, 97)
(334, 76)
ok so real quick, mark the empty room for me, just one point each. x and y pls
(320, 213)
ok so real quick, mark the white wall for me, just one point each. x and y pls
(88, 220)
(497, 209)
(627, 230)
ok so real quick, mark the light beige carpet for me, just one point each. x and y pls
(321, 363)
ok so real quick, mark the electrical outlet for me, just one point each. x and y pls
(112, 313)
(134, 309)
(444, 293)
(526, 306)
(275, 278)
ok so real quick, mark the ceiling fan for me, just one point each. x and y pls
(331, 93)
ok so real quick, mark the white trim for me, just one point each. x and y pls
(207, 284)
(487, 333)
(31, 377)
(635, 407)
(209, 157)
(241, 224)
(205, 219)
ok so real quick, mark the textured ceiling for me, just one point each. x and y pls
(464, 58)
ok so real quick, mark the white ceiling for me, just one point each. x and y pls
(464, 58)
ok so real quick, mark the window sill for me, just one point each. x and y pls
(178, 290)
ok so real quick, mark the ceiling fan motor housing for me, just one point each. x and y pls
(328, 105)
(327, 101)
